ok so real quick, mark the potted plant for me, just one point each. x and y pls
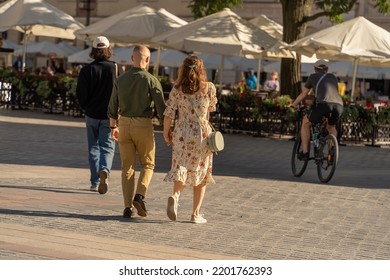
(369, 104)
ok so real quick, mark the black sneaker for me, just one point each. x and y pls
(139, 204)
(303, 156)
(127, 213)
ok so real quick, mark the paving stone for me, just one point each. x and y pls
(257, 209)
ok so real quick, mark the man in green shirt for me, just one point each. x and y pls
(131, 110)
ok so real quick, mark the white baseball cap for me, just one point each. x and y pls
(321, 64)
(100, 42)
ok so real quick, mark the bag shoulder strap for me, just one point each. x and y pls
(318, 83)
(196, 113)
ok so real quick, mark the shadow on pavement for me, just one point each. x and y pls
(95, 217)
(49, 189)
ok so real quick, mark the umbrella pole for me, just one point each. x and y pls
(355, 65)
(258, 74)
(25, 37)
(157, 63)
(221, 73)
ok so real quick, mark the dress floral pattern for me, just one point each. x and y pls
(192, 161)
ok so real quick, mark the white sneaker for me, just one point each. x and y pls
(198, 219)
(93, 188)
(173, 202)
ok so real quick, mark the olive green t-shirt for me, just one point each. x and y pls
(135, 94)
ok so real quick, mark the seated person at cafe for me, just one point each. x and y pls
(251, 80)
(272, 84)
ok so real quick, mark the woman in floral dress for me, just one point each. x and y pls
(193, 98)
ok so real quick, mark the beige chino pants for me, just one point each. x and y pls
(136, 136)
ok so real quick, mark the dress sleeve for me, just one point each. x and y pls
(213, 98)
(170, 110)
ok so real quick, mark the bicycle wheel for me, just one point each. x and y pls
(328, 155)
(298, 166)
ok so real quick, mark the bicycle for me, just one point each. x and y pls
(325, 150)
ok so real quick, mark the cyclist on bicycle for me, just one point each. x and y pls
(328, 103)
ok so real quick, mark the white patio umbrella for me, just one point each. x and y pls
(81, 57)
(10, 45)
(275, 30)
(342, 69)
(357, 40)
(38, 18)
(175, 58)
(137, 25)
(43, 48)
(213, 61)
(67, 48)
(121, 55)
(169, 58)
(270, 26)
(223, 33)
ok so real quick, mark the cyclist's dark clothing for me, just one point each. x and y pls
(331, 110)
(328, 100)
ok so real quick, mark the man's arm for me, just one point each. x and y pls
(113, 105)
(158, 98)
(82, 89)
(301, 96)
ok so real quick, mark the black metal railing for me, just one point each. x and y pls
(357, 126)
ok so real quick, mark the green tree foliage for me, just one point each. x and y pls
(201, 8)
(383, 6)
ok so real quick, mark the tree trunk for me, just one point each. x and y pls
(294, 28)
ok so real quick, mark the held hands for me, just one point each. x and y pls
(168, 137)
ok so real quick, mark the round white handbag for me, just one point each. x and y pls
(215, 141)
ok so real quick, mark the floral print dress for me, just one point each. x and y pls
(192, 161)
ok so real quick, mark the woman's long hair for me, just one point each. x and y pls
(192, 75)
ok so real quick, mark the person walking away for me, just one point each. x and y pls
(130, 111)
(193, 98)
(94, 87)
(328, 103)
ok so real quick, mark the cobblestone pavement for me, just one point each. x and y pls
(257, 209)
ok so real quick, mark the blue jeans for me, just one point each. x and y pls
(101, 147)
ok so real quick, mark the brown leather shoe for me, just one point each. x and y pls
(103, 186)
(139, 204)
(127, 213)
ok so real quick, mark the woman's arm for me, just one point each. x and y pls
(167, 130)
